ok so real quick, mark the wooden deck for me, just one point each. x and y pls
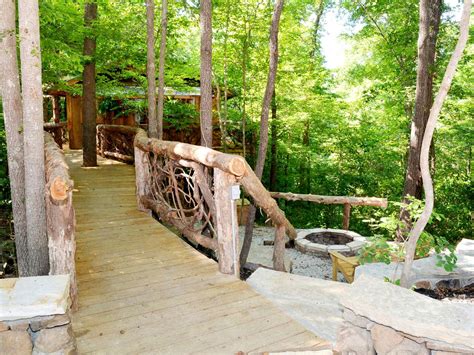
(143, 290)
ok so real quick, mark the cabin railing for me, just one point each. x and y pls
(116, 142)
(60, 216)
(346, 201)
(58, 131)
(190, 187)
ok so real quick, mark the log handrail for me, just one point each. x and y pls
(60, 216)
(57, 131)
(346, 201)
(235, 171)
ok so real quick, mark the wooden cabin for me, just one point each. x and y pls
(73, 107)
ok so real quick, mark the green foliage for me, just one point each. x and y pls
(180, 115)
(382, 248)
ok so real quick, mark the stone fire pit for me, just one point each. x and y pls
(321, 241)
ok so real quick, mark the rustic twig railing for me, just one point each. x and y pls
(57, 131)
(189, 187)
(116, 142)
(60, 217)
(346, 201)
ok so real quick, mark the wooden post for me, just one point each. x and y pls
(346, 217)
(279, 248)
(226, 216)
(56, 109)
(142, 178)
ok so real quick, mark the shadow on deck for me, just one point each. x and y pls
(144, 290)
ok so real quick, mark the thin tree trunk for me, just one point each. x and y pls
(161, 66)
(427, 137)
(273, 148)
(224, 117)
(89, 110)
(150, 69)
(244, 95)
(317, 22)
(430, 15)
(13, 116)
(267, 98)
(206, 73)
(32, 93)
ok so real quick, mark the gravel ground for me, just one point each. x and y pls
(303, 264)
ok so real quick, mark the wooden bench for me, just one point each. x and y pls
(344, 264)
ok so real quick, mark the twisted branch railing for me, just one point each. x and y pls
(189, 187)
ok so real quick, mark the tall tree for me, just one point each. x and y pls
(89, 109)
(150, 68)
(430, 15)
(206, 73)
(427, 137)
(263, 145)
(273, 148)
(13, 116)
(161, 66)
(32, 93)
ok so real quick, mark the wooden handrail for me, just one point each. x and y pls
(235, 169)
(60, 216)
(346, 201)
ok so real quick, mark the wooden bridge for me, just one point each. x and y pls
(142, 289)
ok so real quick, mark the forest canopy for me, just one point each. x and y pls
(333, 131)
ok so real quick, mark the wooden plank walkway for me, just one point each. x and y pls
(143, 290)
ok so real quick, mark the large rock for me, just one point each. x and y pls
(426, 269)
(15, 343)
(385, 339)
(411, 313)
(354, 340)
(29, 297)
(314, 303)
(54, 339)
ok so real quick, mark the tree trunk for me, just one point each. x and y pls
(150, 69)
(262, 148)
(317, 24)
(430, 14)
(427, 137)
(89, 110)
(206, 73)
(13, 116)
(32, 92)
(273, 148)
(161, 66)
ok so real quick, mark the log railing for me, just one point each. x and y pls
(190, 186)
(346, 201)
(116, 142)
(60, 217)
(58, 131)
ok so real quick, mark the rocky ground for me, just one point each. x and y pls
(303, 264)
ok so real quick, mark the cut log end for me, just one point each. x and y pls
(58, 189)
(238, 166)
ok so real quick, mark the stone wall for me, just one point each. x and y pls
(38, 335)
(34, 317)
(381, 318)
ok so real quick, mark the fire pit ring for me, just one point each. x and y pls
(320, 241)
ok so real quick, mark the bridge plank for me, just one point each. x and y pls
(144, 290)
